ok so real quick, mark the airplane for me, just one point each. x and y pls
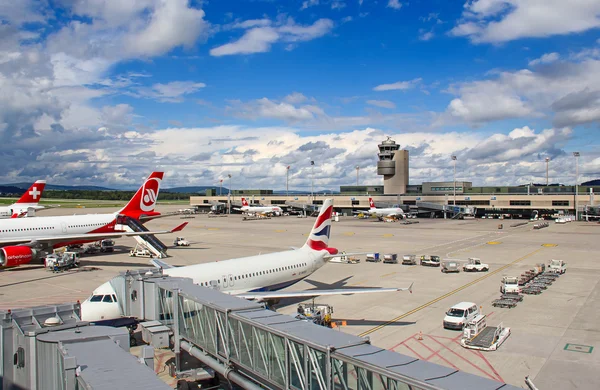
(23, 240)
(29, 200)
(246, 208)
(257, 278)
(389, 212)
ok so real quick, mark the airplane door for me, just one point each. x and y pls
(63, 226)
(231, 283)
(225, 281)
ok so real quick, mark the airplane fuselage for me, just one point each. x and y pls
(260, 209)
(28, 229)
(267, 272)
(383, 212)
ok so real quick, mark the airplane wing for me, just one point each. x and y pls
(51, 240)
(161, 264)
(264, 296)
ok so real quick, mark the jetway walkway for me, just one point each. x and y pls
(149, 241)
(259, 348)
(456, 211)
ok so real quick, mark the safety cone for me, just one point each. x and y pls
(420, 335)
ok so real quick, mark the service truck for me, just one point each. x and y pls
(510, 285)
(430, 261)
(557, 266)
(475, 265)
(409, 260)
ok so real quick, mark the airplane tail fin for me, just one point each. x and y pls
(318, 239)
(33, 193)
(144, 200)
(244, 202)
(371, 204)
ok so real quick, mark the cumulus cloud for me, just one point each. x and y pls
(260, 39)
(399, 85)
(171, 92)
(395, 4)
(545, 59)
(563, 90)
(506, 20)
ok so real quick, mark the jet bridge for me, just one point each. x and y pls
(258, 348)
(456, 211)
(149, 241)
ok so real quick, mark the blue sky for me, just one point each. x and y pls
(104, 91)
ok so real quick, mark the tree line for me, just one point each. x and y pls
(108, 195)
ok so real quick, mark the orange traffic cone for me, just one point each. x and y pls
(420, 335)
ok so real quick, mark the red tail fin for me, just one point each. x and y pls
(144, 200)
(371, 203)
(244, 202)
(34, 193)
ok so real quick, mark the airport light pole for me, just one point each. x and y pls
(576, 155)
(287, 181)
(229, 197)
(312, 179)
(221, 189)
(357, 169)
(547, 162)
(454, 187)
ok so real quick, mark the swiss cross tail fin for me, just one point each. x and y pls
(371, 204)
(33, 193)
(244, 202)
(144, 200)
(318, 239)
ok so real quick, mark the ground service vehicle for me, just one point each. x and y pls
(557, 266)
(430, 261)
(477, 335)
(140, 252)
(373, 257)
(460, 314)
(107, 245)
(450, 266)
(475, 265)
(510, 285)
(409, 260)
(180, 241)
(391, 258)
(62, 262)
(319, 314)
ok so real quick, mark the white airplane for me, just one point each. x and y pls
(246, 208)
(29, 200)
(23, 240)
(389, 212)
(255, 278)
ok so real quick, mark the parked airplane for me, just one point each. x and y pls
(23, 240)
(29, 200)
(389, 212)
(255, 278)
(246, 208)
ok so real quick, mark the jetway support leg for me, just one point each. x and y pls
(218, 367)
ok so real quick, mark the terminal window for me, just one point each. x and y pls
(560, 203)
(472, 202)
(355, 202)
(520, 203)
(445, 189)
(277, 201)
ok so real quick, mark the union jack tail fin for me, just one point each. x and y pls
(244, 202)
(144, 200)
(33, 193)
(318, 239)
(371, 204)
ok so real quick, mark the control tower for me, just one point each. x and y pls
(393, 165)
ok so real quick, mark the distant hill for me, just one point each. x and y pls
(195, 189)
(24, 186)
(592, 183)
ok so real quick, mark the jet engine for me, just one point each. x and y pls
(11, 256)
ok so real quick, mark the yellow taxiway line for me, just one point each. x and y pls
(375, 329)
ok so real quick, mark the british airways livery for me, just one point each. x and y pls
(256, 278)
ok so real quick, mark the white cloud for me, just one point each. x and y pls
(260, 39)
(426, 35)
(545, 59)
(506, 20)
(295, 98)
(565, 90)
(395, 4)
(336, 4)
(172, 92)
(309, 3)
(381, 103)
(399, 85)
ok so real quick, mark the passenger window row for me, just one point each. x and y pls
(254, 274)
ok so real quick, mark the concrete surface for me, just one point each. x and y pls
(567, 313)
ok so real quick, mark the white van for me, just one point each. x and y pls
(459, 315)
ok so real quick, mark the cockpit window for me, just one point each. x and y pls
(97, 298)
(107, 298)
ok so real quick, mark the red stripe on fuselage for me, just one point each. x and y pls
(108, 228)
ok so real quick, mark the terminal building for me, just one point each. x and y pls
(428, 198)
